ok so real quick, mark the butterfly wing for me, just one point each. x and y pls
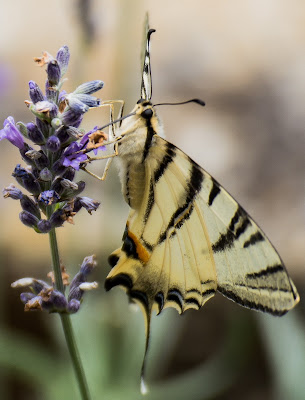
(189, 238)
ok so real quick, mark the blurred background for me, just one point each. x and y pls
(246, 60)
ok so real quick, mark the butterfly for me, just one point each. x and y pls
(186, 237)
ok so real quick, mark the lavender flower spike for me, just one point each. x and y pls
(11, 133)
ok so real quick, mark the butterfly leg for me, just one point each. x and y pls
(109, 159)
(112, 135)
(111, 104)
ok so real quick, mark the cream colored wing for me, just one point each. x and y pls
(190, 238)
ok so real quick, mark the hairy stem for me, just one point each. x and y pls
(66, 322)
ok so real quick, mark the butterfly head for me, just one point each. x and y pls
(142, 120)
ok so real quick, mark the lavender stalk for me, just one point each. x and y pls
(59, 149)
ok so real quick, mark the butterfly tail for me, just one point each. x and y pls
(147, 317)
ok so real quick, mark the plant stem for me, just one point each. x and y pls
(66, 322)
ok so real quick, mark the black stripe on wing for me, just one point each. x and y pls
(170, 151)
(254, 238)
(119, 280)
(176, 296)
(167, 159)
(127, 178)
(214, 192)
(249, 304)
(150, 201)
(238, 225)
(184, 212)
(270, 270)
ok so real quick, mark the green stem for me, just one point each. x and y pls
(66, 322)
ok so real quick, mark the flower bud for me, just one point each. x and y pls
(35, 92)
(28, 219)
(76, 105)
(45, 110)
(53, 72)
(61, 215)
(63, 56)
(53, 143)
(24, 152)
(56, 123)
(73, 306)
(20, 172)
(72, 118)
(70, 189)
(36, 285)
(22, 128)
(45, 175)
(81, 186)
(89, 87)
(58, 167)
(86, 99)
(27, 296)
(86, 268)
(44, 226)
(87, 286)
(26, 179)
(35, 134)
(12, 192)
(42, 161)
(43, 126)
(89, 204)
(53, 301)
(69, 174)
(57, 186)
(30, 206)
(33, 154)
(57, 218)
(51, 92)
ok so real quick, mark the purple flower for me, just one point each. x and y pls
(48, 197)
(11, 133)
(71, 156)
(92, 140)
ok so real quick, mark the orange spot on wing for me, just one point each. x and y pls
(143, 253)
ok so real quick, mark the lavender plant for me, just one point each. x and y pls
(58, 148)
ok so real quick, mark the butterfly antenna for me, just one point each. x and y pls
(116, 120)
(146, 87)
(197, 101)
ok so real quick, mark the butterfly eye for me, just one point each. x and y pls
(148, 113)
